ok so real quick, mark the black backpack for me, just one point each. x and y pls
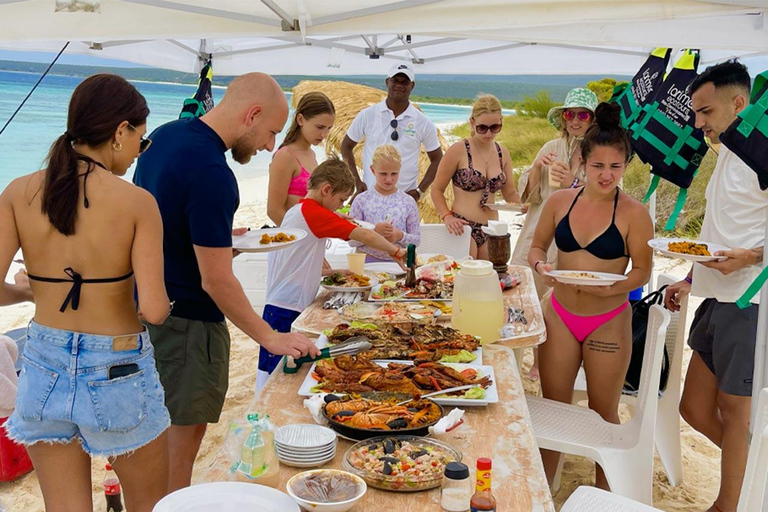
(640, 310)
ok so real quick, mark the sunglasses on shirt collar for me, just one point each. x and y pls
(394, 135)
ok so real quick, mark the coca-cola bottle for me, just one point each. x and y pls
(112, 491)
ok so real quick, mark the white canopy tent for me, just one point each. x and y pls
(318, 37)
(322, 37)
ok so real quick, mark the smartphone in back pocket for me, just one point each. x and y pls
(121, 370)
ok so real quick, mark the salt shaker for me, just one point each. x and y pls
(457, 488)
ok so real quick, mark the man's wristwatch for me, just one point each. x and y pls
(420, 192)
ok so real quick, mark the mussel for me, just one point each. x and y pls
(389, 445)
(330, 397)
(387, 469)
(397, 423)
(343, 414)
(415, 455)
(391, 460)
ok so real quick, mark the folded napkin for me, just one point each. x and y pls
(314, 405)
(496, 228)
(447, 422)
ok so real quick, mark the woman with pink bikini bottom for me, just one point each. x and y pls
(597, 228)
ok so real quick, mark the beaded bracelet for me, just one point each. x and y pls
(688, 280)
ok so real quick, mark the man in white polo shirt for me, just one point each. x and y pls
(718, 386)
(397, 122)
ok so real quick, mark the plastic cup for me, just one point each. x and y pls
(553, 182)
(356, 262)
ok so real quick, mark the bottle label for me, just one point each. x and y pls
(483, 481)
(112, 489)
(473, 509)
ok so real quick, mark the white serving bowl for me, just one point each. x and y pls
(313, 506)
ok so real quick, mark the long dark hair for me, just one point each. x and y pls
(97, 107)
(606, 131)
(310, 105)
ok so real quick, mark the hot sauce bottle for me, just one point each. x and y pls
(483, 499)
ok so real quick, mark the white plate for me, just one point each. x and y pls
(295, 464)
(305, 435)
(383, 266)
(303, 452)
(491, 393)
(322, 342)
(249, 242)
(605, 279)
(505, 207)
(312, 458)
(661, 244)
(363, 224)
(348, 288)
(227, 497)
(401, 298)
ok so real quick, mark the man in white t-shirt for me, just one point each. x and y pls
(716, 400)
(397, 122)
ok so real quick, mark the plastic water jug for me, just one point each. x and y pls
(478, 307)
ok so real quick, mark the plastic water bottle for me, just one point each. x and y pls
(112, 491)
(253, 451)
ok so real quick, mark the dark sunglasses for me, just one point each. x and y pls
(570, 115)
(483, 128)
(393, 124)
(144, 143)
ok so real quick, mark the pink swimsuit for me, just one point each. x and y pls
(298, 184)
(582, 326)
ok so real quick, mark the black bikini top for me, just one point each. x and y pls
(608, 246)
(75, 278)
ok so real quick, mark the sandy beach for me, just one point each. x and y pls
(701, 458)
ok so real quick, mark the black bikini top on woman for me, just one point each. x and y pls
(75, 278)
(608, 246)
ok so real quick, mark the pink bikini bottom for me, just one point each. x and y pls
(583, 326)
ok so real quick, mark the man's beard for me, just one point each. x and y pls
(241, 152)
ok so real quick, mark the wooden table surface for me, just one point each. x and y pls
(314, 320)
(500, 431)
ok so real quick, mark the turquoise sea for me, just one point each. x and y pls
(25, 143)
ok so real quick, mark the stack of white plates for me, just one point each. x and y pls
(305, 445)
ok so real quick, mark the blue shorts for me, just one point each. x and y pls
(64, 392)
(280, 320)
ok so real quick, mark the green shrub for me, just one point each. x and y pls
(537, 105)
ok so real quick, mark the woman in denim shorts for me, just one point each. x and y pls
(88, 384)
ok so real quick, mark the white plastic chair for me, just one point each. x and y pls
(625, 452)
(668, 419)
(756, 475)
(592, 499)
(435, 239)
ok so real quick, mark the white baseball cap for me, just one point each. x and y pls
(403, 68)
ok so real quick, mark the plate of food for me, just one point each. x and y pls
(505, 207)
(339, 282)
(397, 312)
(384, 270)
(268, 239)
(409, 342)
(586, 277)
(400, 464)
(359, 374)
(425, 289)
(371, 414)
(691, 250)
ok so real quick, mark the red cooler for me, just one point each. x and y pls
(14, 460)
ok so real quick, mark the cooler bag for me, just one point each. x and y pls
(631, 97)
(202, 101)
(664, 133)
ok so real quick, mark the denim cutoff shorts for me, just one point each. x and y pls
(64, 393)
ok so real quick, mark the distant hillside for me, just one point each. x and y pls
(428, 87)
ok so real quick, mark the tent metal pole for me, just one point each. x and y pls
(206, 11)
(760, 375)
(359, 13)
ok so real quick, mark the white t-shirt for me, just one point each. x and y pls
(294, 273)
(734, 217)
(413, 129)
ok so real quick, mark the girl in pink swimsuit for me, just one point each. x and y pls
(294, 160)
(596, 228)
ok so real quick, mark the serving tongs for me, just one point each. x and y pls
(352, 346)
(410, 262)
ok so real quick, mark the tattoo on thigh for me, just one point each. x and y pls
(607, 347)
